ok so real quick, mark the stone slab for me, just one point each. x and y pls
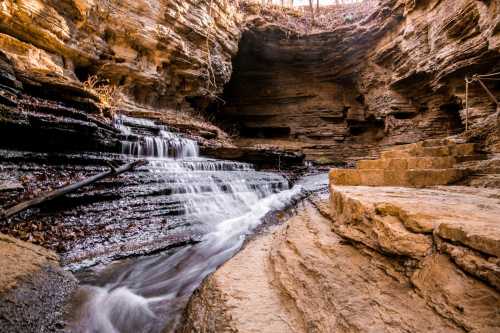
(389, 177)
(459, 214)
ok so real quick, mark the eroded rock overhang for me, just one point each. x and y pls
(395, 76)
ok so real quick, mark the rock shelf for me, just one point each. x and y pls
(367, 259)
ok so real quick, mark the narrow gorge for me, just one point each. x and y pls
(249, 166)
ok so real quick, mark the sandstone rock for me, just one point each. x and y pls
(238, 298)
(467, 216)
(393, 77)
(158, 54)
(156, 48)
(20, 259)
(261, 157)
(421, 164)
(334, 96)
(377, 223)
(306, 276)
(473, 262)
(470, 304)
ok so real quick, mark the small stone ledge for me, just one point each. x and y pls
(461, 215)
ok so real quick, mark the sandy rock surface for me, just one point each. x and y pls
(360, 268)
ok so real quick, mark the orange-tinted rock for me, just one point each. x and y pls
(156, 51)
(421, 164)
(358, 268)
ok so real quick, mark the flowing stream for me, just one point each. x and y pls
(220, 201)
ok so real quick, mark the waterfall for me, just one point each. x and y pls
(178, 192)
(163, 144)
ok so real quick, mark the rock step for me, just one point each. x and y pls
(429, 143)
(469, 158)
(384, 177)
(487, 180)
(426, 163)
(418, 150)
(408, 163)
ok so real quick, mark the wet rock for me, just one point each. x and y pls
(262, 157)
(305, 278)
(140, 212)
(156, 56)
(33, 288)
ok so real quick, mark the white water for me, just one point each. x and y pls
(164, 144)
(223, 200)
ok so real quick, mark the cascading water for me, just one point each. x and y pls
(220, 201)
(163, 144)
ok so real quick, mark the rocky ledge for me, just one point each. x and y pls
(65, 68)
(366, 259)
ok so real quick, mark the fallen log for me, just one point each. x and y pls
(44, 197)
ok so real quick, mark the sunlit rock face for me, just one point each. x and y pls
(397, 76)
(367, 260)
(158, 54)
(156, 50)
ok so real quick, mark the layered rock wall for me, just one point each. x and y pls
(157, 53)
(394, 77)
(156, 50)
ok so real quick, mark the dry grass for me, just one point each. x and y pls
(110, 95)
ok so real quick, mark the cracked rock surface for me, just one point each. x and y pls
(379, 260)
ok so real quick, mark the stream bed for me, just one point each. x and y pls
(141, 243)
(218, 201)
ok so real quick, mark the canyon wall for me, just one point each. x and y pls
(390, 74)
(153, 54)
(394, 76)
